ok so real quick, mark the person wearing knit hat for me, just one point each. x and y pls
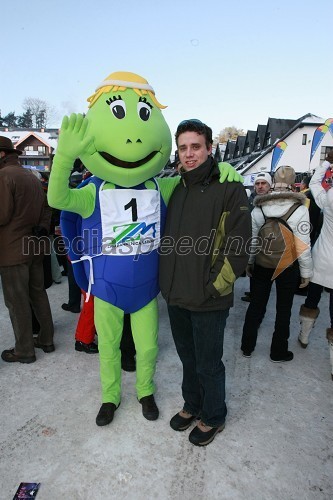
(262, 179)
(262, 185)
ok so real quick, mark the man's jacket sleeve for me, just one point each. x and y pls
(230, 254)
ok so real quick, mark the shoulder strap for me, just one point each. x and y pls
(284, 217)
(291, 210)
(263, 214)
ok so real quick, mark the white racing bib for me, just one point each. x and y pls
(130, 221)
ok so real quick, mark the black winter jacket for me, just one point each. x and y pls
(204, 249)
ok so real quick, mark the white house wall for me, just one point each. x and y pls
(296, 155)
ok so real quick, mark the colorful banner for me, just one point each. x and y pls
(277, 153)
(319, 135)
(329, 123)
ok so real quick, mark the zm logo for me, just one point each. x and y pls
(133, 232)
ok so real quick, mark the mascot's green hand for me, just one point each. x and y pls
(73, 139)
(228, 173)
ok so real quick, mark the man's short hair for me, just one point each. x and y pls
(306, 180)
(194, 125)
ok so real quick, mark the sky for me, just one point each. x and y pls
(226, 63)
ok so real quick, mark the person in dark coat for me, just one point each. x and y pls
(22, 222)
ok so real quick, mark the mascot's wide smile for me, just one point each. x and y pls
(127, 164)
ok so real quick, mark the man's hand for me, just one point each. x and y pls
(228, 173)
(73, 138)
(304, 282)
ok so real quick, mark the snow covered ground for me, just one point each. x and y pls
(277, 443)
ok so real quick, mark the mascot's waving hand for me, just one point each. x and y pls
(113, 224)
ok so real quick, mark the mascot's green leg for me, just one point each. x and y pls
(144, 325)
(109, 325)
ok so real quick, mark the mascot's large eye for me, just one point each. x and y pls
(144, 111)
(118, 108)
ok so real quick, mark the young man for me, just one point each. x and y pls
(202, 253)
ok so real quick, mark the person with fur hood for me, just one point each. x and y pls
(322, 250)
(281, 256)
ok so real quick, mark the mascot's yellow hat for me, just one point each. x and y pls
(122, 80)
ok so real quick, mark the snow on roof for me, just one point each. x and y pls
(313, 119)
(17, 136)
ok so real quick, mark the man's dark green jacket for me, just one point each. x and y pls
(206, 239)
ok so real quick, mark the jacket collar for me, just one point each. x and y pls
(10, 160)
(263, 199)
(202, 174)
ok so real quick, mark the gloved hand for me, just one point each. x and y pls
(229, 173)
(249, 270)
(304, 282)
(73, 140)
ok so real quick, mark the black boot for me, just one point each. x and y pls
(105, 414)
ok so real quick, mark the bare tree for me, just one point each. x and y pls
(41, 111)
(229, 133)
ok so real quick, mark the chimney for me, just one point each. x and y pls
(42, 130)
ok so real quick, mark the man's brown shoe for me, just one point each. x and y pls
(10, 357)
(203, 434)
(149, 407)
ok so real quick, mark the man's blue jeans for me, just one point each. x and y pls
(199, 338)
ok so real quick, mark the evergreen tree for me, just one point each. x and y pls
(25, 120)
(41, 119)
(10, 120)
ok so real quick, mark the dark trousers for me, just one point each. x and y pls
(127, 346)
(313, 298)
(198, 337)
(74, 291)
(286, 284)
(23, 285)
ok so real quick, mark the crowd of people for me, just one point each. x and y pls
(208, 216)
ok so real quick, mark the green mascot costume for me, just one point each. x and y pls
(114, 223)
